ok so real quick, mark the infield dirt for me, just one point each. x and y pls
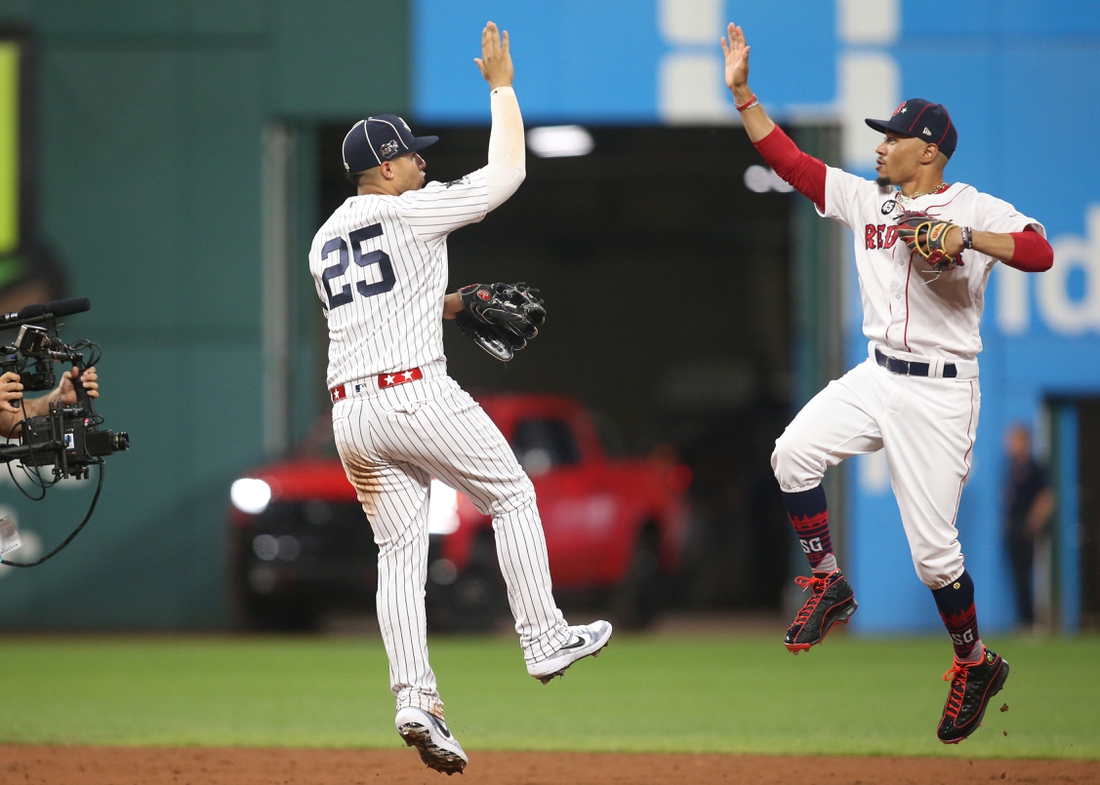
(46, 765)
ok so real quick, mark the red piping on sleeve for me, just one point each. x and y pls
(804, 172)
(1033, 253)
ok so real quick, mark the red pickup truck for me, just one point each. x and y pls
(300, 543)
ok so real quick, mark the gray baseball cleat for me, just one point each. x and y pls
(432, 739)
(585, 640)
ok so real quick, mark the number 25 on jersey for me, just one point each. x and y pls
(380, 258)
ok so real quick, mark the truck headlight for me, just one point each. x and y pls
(250, 495)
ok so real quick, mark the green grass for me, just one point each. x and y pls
(712, 694)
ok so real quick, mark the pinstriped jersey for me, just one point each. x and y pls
(907, 306)
(380, 267)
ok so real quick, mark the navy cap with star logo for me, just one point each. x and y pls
(924, 120)
(380, 138)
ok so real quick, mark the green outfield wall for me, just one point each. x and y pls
(151, 118)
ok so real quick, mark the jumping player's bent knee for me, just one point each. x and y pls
(794, 467)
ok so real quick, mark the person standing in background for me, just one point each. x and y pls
(1029, 503)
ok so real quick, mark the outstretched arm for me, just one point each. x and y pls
(507, 158)
(804, 172)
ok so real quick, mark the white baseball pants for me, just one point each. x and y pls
(927, 427)
(392, 442)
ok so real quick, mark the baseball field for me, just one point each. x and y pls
(699, 707)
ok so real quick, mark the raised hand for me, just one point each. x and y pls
(495, 62)
(737, 58)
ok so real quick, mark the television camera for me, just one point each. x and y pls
(68, 437)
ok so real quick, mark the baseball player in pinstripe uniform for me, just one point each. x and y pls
(924, 250)
(380, 267)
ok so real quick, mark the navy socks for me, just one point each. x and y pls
(956, 605)
(808, 512)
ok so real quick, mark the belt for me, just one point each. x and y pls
(906, 368)
(340, 391)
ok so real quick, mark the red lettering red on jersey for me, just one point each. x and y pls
(880, 236)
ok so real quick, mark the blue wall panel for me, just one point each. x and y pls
(581, 61)
(557, 46)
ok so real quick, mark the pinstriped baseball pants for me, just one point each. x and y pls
(392, 442)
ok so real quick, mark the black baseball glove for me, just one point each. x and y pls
(501, 317)
(925, 235)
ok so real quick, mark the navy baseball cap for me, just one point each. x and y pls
(380, 138)
(924, 120)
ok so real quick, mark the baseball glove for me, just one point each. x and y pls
(501, 317)
(925, 235)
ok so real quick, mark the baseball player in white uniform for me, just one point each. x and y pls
(380, 267)
(924, 250)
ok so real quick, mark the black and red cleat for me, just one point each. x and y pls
(831, 602)
(972, 687)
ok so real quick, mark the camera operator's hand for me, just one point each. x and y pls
(64, 392)
(67, 393)
(11, 397)
(11, 391)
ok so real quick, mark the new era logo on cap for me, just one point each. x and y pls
(918, 117)
(380, 138)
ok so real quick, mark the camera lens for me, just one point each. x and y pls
(121, 441)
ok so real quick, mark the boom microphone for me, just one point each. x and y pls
(55, 308)
(64, 307)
